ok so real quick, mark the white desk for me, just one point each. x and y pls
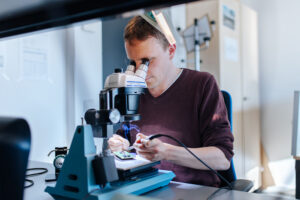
(174, 190)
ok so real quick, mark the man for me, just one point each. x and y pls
(182, 103)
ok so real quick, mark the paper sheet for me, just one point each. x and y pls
(231, 49)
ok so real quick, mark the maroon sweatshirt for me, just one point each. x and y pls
(193, 111)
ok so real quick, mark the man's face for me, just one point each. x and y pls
(153, 50)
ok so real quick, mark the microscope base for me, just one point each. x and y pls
(136, 187)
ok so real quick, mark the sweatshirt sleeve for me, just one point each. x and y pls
(215, 127)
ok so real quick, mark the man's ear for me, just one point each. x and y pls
(172, 50)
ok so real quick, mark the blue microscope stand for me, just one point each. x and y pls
(76, 179)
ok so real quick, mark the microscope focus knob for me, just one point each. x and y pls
(58, 161)
(114, 116)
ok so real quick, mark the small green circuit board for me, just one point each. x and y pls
(124, 155)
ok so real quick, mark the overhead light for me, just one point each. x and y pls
(164, 27)
(159, 22)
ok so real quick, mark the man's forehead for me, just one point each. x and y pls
(135, 41)
(150, 41)
(140, 59)
(140, 51)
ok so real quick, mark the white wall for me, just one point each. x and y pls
(88, 68)
(32, 82)
(50, 78)
(178, 19)
(279, 52)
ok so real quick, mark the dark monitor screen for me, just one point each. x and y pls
(15, 143)
(17, 17)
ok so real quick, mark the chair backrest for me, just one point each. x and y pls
(229, 174)
(14, 150)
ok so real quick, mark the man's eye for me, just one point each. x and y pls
(144, 60)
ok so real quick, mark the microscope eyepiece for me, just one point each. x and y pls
(118, 70)
(132, 63)
(145, 61)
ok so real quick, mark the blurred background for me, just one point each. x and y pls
(252, 47)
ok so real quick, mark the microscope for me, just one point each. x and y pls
(119, 103)
(88, 175)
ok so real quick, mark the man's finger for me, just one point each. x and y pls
(148, 156)
(139, 147)
(145, 150)
(150, 143)
(115, 142)
(117, 137)
(115, 148)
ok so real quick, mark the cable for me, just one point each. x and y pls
(217, 191)
(58, 149)
(44, 170)
(180, 143)
(31, 183)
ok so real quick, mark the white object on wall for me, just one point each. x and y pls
(34, 57)
(231, 49)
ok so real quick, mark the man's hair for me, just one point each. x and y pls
(139, 29)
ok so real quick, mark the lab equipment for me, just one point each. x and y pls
(60, 154)
(85, 174)
(197, 35)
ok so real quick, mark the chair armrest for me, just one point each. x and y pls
(242, 185)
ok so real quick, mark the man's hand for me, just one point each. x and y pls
(153, 150)
(118, 143)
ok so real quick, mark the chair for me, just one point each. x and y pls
(230, 175)
(14, 150)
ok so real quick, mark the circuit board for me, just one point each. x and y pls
(124, 155)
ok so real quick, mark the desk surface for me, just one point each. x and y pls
(174, 190)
